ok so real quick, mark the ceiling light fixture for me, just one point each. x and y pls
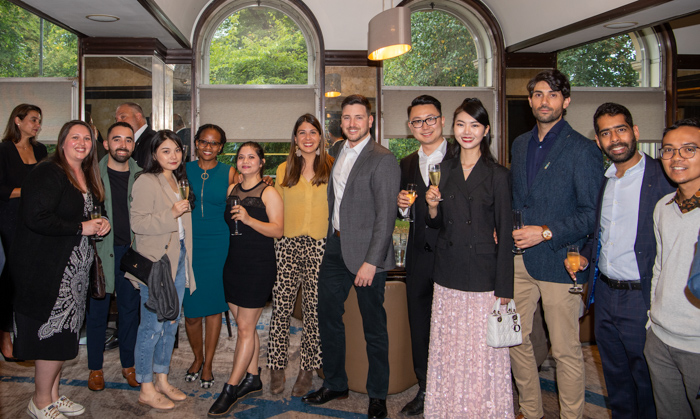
(620, 25)
(332, 85)
(389, 34)
(102, 18)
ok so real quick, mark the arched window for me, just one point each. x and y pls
(453, 56)
(260, 69)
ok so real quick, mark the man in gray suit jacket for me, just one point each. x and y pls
(557, 174)
(362, 208)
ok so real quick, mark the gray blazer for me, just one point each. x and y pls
(368, 209)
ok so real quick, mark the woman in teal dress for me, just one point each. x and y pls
(209, 180)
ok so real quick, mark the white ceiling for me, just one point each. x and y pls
(520, 20)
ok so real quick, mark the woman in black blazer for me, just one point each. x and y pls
(473, 268)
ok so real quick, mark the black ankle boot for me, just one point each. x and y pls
(225, 402)
(251, 384)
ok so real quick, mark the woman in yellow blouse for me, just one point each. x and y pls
(301, 181)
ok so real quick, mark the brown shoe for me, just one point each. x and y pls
(130, 375)
(276, 381)
(96, 381)
(303, 384)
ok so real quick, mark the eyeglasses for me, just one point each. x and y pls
(431, 120)
(686, 152)
(212, 144)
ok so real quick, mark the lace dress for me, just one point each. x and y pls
(57, 338)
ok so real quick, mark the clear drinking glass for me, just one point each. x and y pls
(412, 195)
(233, 201)
(434, 175)
(574, 259)
(517, 225)
(96, 213)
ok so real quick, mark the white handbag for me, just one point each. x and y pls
(503, 329)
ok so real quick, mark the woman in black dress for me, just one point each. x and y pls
(250, 270)
(50, 262)
(19, 153)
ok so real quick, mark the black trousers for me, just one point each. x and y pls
(334, 284)
(419, 293)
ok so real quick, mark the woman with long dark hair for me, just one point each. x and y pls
(162, 224)
(50, 262)
(209, 180)
(19, 153)
(473, 269)
(302, 182)
(255, 217)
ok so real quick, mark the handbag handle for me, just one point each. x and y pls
(510, 307)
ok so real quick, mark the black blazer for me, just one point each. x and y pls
(421, 238)
(50, 212)
(142, 149)
(655, 186)
(467, 258)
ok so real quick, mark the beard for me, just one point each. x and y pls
(626, 156)
(117, 157)
(553, 116)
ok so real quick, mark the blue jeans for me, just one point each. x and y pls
(98, 314)
(155, 340)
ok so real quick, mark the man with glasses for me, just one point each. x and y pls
(621, 271)
(118, 171)
(556, 176)
(672, 347)
(426, 123)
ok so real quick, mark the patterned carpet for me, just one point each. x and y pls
(119, 400)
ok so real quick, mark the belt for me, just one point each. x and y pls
(336, 232)
(621, 285)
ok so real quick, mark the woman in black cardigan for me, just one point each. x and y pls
(19, 153)
(50, 262)
(473, 269)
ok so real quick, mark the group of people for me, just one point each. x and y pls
(326, 226)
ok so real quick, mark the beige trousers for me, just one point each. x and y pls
(561, 310)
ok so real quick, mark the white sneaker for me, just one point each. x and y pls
(49, 412)
(68, 407)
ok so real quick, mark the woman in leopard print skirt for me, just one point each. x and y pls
(301, 181)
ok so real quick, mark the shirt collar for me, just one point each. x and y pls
(552, 133)
(439, 152)
(137, 134)
(686, 205)
(637, 168)
(359, 147)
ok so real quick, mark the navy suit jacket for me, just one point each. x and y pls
(142, 149)
(655, 186)
(562, 196)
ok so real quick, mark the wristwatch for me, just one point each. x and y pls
(546, 233)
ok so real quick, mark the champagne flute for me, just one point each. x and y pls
(412, 195)
(517, 225)
(574, 259)
(95, 214)
(434, 175)
(184, 187)
(233, 201)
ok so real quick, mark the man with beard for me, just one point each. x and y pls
(362, 209)
(132, 114)
(118, 171)
(556, 174)
(621, 284)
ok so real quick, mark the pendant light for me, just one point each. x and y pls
(389, 34)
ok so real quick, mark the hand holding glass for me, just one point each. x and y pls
(434, 175)
(184, 187)
(234, 201)
(412, 195)
(574, 259)
(517, 225)
(95, 214)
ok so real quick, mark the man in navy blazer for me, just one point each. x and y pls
(622, 251)
(556, 178)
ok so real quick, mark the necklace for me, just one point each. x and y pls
(204, 177)
(468, 168)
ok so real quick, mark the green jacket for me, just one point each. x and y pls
(105, 248)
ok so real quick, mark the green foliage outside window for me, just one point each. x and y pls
(402, 147)
(443, 54)
(606, 63)
(258, 46)
(275, 154)
(20, 45)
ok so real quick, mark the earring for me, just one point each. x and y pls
(318, 151)
(298, 152)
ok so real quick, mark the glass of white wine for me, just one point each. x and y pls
(96, 213)
(574, 259)
(184, 187)
(434, 175)
(412, 195)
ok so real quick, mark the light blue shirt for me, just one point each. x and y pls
(618, 223)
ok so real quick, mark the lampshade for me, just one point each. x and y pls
(332, 85)
(389, 34)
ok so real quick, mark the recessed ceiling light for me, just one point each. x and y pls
(620, 25)
(102, 18)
